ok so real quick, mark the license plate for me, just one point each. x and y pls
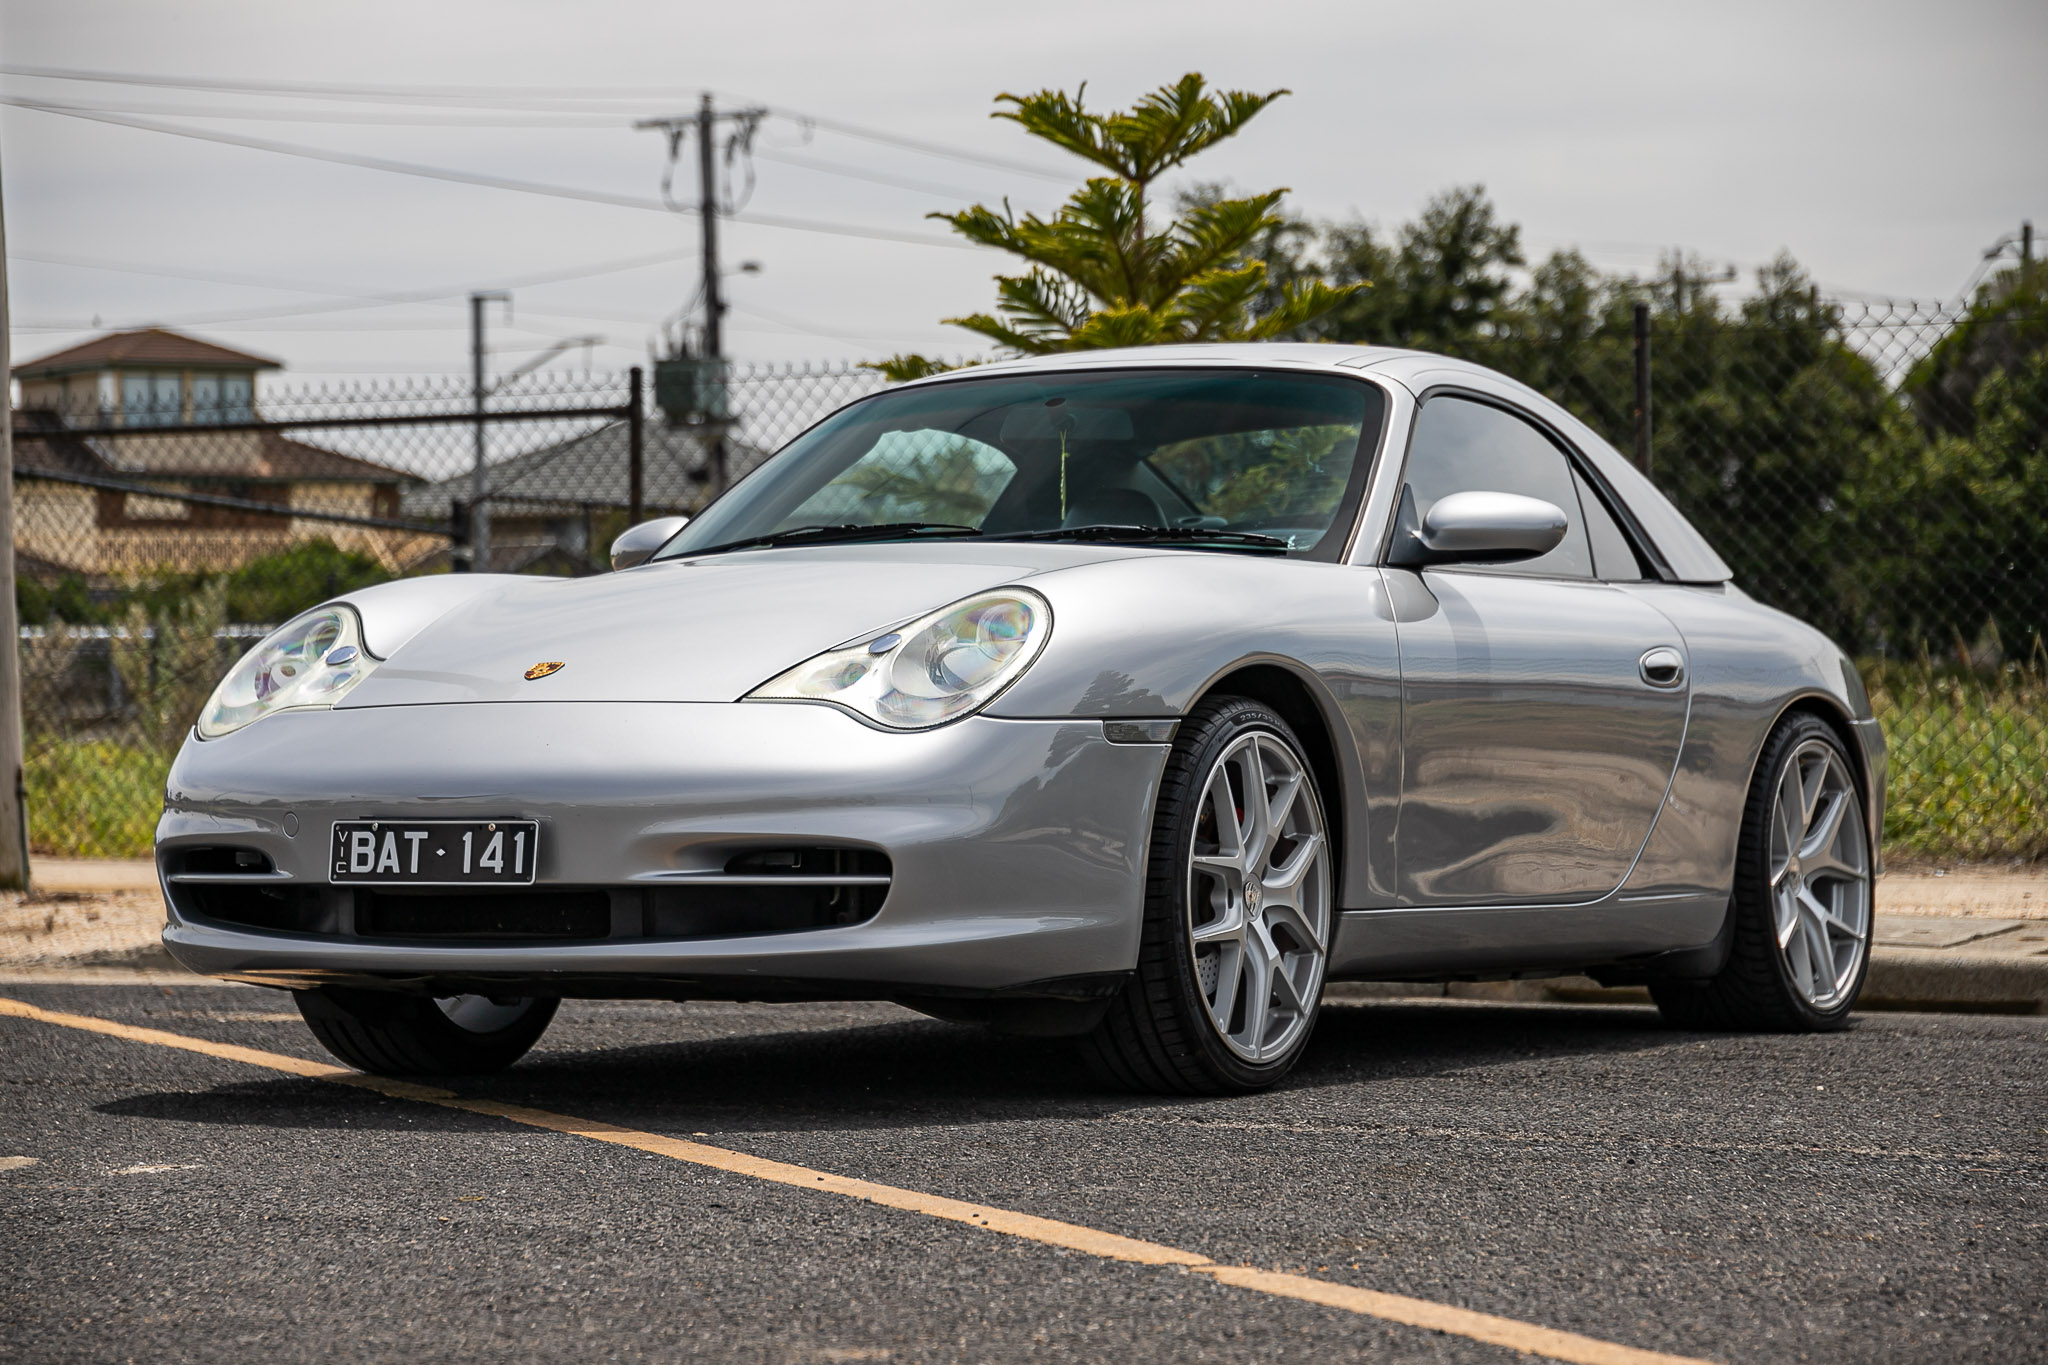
(434, 852)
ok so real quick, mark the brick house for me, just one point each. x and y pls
(130, 408)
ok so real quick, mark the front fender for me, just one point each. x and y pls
(1148, 638)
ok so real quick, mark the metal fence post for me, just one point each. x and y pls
(636, 437)
(460, 551)
(1642, 408)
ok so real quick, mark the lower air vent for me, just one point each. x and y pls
(522, 914)
(220, 862)
(809, 862)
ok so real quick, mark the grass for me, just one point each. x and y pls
(1968, 760)
(93, 798)
(1969, 772)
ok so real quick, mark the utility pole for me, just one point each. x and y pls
(710, 401)
(479, 473)
(2026, 244)
(13, 793)
(707, 212)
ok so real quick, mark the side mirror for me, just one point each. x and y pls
(637, 544)
(1478, 528)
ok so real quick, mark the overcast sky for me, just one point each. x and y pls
(1885, 145)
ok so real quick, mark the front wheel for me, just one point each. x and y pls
(388, 1034)
(1238, 914)
(1802, 906)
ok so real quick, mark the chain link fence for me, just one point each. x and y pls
(1880, 470)
(156, 540)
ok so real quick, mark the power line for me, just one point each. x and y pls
(346, 89)
(565, 119)
(525, 96)
(342, 291)
(367, 299)
(495, 182)
(808, 328)
(872, 177)
(567, 122)
(854, 130)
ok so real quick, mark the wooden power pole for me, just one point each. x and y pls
(13, 794)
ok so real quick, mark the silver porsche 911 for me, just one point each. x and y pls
(1128, 695)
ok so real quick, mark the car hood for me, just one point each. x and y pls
(709, 629)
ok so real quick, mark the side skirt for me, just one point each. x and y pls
(1435, 943)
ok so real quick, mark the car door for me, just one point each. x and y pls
(1542, 708)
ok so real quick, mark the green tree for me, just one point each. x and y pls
(1953, 502)
(1443, 281)
(1101, 273)
(2006, 325)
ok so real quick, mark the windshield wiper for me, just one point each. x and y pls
(1167, 535)
(839, 533)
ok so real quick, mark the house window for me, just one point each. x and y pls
(145, 507)
(151, 399)
(222, 398)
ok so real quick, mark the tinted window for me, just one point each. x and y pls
(1613, 558)
(1278, 454)
(1461, 446)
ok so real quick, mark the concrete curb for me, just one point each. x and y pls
(1938, 979)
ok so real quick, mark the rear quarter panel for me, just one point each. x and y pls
(1750, 665)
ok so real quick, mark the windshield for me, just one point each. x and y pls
(1179, 453)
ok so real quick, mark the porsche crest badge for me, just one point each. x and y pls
(544, 669)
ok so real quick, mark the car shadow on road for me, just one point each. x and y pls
(903, 1072)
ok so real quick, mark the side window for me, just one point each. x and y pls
(912, 476)
(1462, 446)
(1614, 560)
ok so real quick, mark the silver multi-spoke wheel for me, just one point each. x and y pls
(1258, 892)
(1794, 947)
(1240, 904)
(1819, 874)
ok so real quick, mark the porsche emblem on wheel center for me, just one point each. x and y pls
(542, 670)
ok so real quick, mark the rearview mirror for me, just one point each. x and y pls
(1478, 528)
(637, 544)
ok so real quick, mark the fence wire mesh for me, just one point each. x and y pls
(1879, 470)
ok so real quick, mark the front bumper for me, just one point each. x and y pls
(1016, 848)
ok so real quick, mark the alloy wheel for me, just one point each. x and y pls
(1820, 875)
(1258, 890)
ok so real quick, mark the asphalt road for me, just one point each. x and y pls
(1876, 1195)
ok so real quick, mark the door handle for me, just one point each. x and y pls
(1662, 667)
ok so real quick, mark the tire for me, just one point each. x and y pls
(1207, 929)
(1800, 945)
(388, 1034)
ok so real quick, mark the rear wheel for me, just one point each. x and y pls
(1802, 907)
(387, 1034)
(1238, 912)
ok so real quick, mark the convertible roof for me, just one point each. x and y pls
(1684, 549)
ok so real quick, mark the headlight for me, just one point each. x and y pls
(939, 668)
(311, 660)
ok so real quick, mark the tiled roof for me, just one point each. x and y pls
(42, 442)
(288, 459)
(150, 346)
(590, 470)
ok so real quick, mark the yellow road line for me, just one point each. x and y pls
(1423, 1313)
